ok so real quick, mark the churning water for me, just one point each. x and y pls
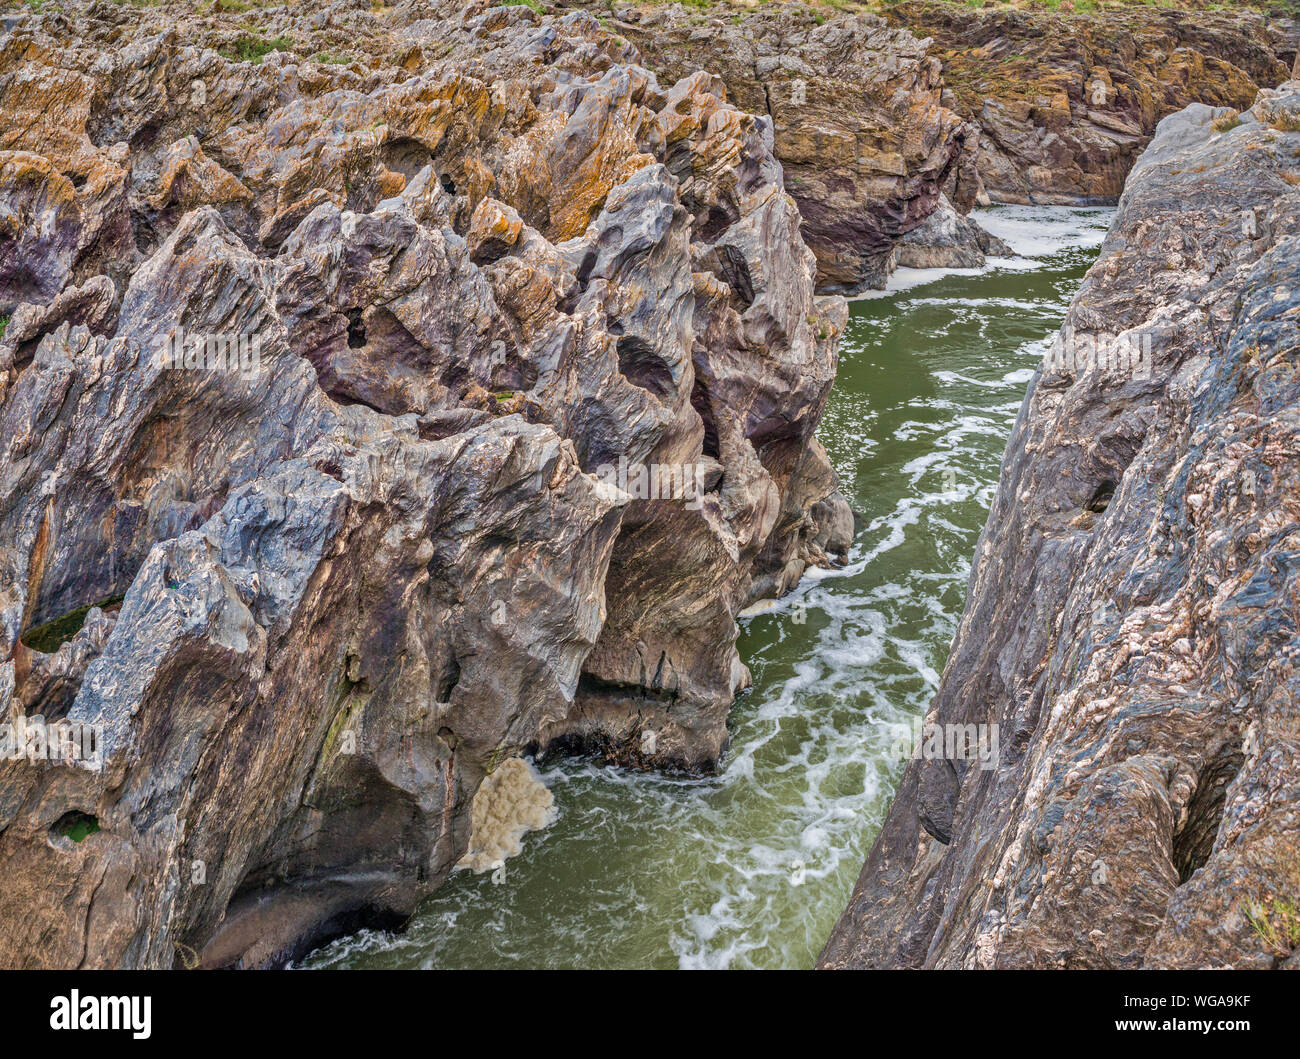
(752, 867)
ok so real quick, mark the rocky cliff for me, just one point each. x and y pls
(382, 393)
(876, 112)
(1131, 623)
(859, 129)
(1064, 102)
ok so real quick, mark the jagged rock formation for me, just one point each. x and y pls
(875, 114)
(1131, 623)
(949, 240)
(862, 136)
(313, 600)
(1065, 103)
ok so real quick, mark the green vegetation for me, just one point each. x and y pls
(534, 4)
(1276, 922)
(77, 826)
(251, 49)
(1226, 123)
(4, 322)
(331, 58)
(47, 638)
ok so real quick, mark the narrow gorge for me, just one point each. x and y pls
(497, 485)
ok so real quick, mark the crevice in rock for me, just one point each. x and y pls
(715, 221)
(144, 232)
(49, 636)
(1194, 843)
(1101, 497)
(407, 156)
(343, 398)
(642, 367)
(265, 926)
(704, 406)
(356, 329)
(583, 275)
(734, 270)
(75, 825)
(592, 685)
(449, 681)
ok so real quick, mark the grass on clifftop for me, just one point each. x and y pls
(251, 49)
(1063, 7)
(737, 8)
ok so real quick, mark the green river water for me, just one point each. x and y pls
(751, 868)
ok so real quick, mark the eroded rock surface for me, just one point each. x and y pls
(875, 114)
(314, 376)
(949, 240)
(1064, 103)
(864, 140)
(1131, 623)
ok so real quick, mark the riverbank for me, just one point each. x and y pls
(1131, 621)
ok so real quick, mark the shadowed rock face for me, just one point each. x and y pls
(1064, 104)
(313, 601)
(1131, 623)
(949, 240)
(859, 130)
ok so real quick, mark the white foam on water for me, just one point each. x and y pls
(980, 305)
(1033, 232)
(1037, 232)
(904, 278)
(510, 802)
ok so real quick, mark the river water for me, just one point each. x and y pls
(752, 867)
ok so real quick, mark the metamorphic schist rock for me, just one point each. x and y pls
(1062, 104)
(949, 240)
(312, 602)
(862, 136)
(1131, 622)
